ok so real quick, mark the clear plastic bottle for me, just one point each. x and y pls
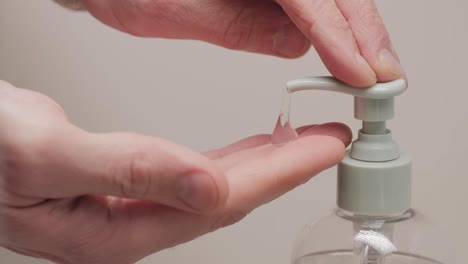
(373, 223)
(345, 238)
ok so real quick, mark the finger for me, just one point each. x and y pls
(322, 22)
(372, 38)
(126, 165)
(259, 180)
(158, 170)
(337, 130)
(302, 129)
(255, 26)
(244, 144)
(260, 176)
(233, 154)
(265, 175)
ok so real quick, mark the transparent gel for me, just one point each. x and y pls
(284, 132)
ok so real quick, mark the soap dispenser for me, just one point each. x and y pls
(373, 222)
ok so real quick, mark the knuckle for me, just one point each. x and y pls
(237, 33)
(314, 14)
(125, 18)
(304, 9)
(133, 16)
(318, 24)
(158, 8)
(341, 24)
(133, 175)
(372, 25)
(370, 15)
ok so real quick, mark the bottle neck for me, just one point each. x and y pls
(378, 188)
(389, 218)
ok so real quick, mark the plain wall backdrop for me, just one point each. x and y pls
(204, 97)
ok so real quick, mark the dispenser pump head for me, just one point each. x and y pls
(373, 105)
(374, 178)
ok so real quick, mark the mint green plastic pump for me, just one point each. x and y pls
(374, 178)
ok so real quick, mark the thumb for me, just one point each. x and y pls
(132, 166)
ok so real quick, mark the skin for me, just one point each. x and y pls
(349, 35)
(72, 196)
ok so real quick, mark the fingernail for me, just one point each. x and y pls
(390, 63)
(290, 42)
(198, 191)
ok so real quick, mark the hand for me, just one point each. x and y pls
(71, 196)
(349, 35)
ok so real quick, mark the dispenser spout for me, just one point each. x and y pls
(326, 83)
(373, 104)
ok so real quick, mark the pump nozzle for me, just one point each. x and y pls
(372, 105)
(326, 83)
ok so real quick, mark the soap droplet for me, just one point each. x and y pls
(284, 132)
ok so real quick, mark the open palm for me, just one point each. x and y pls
(77, 197)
